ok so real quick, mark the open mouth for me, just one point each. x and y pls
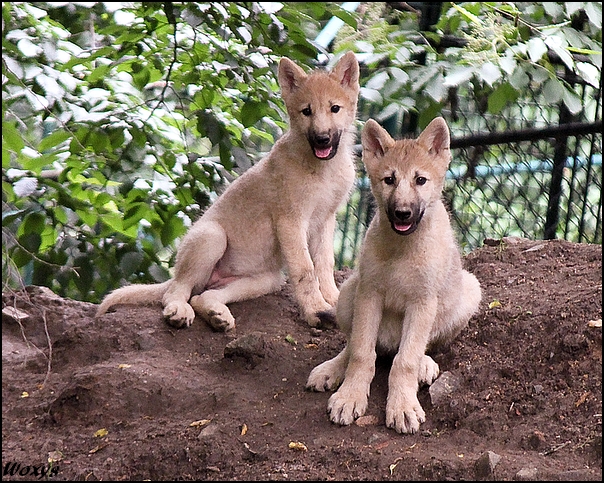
(403, 228)
(325, 152)
(324, 145)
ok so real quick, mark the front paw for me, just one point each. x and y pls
(325, 377)
(179, 314)
(404, 414)
(428, 370)
(323, 315)
(344, 406)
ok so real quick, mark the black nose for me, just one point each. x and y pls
(402, 215)
(322, 139)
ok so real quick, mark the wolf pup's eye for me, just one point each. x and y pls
(420, 180)
(389, 180)
(307, 111)
(335, 108)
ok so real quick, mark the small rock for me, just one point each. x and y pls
(526, 474)
(536, 440)
(13, 314)
(144, 341)
(208, 431)
(443, 387)
(485, 464)
(535, 248)
(369, 420)
(251, 346)
(374, 438)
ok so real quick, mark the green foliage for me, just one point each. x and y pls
(500, 49)
(122, 122)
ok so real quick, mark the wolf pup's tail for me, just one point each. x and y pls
(134, 294)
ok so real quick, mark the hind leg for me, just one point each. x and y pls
(212, 304)
(456, 311)
(201, 249)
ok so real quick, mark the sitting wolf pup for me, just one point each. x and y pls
(278, 215)
(410, 291)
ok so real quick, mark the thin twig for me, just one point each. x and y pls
(555, 448)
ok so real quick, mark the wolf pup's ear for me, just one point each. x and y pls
(375, 140)
(346, 71)
(436, 138)
(290, 76)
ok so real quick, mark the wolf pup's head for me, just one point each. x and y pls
(407, 175)
(322, 106)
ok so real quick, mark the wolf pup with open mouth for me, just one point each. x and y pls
(409, 292)
(278, 216)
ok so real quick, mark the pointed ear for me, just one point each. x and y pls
(290, 76)
(436, 137)
(346, 71)
(375, 140)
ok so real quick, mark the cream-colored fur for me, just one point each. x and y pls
(279, 216)
(410, 291)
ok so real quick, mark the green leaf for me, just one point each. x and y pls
(558, 45)
(536, 49)
(458, 75)
(130, 263)
(572, 101)
(594, 13)
(172, 229)
(589, 72)
(35, 164)
(33, 223)
(113, 221)
(49, 238)
(21, 257)
(12, 215)
(88, 217)
(252, 112)
(503, 95)
(53, 139)
(99, 73)
(553, 90)
(30, 242)
(346, 16)
(470, 16)
(489, 73)
(102, 52)
(11, 137)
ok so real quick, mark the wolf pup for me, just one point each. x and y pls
(409, 292)
(279, 215)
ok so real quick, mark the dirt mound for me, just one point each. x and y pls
(126, 397)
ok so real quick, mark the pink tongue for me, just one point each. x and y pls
(402, 226)
(322, 153)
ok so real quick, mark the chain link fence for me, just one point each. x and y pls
(531, 171)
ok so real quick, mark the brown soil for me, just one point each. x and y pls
(527, 404)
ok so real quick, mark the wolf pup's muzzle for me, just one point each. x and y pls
(404, 221)
(324, 144)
